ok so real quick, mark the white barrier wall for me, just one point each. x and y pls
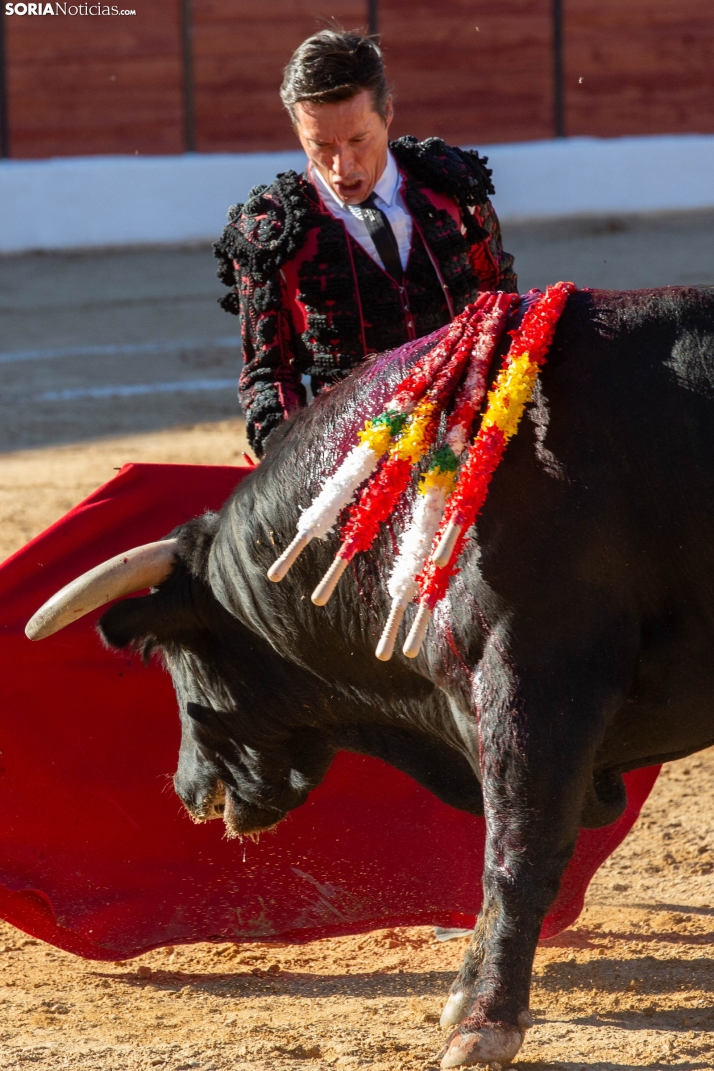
(597, 176)
(83, 202)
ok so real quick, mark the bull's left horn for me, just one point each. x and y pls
(142, 567)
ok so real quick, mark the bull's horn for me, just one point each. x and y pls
(142, 567)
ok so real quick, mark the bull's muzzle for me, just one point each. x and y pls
(213, 804)
(241, 819)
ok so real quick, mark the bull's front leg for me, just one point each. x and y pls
(537, 735)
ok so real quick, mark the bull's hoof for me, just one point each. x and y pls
(456, 1008)
(489, 1045)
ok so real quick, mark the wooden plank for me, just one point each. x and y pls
(240, 51)
(470, 71)
(644, 67)
(103, 84)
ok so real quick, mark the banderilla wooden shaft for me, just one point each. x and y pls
(385, 647)
(282, 565)
(323, 592)
(418, 631)
(445, 548)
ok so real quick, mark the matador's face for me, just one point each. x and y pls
(346, 142)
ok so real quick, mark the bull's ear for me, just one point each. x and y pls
(132, 622)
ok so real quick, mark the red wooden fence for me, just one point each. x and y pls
(472, 71)
(647, 66)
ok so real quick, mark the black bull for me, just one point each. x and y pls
(577, 642)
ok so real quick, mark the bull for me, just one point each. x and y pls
(573, 646)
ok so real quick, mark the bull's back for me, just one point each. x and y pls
(610, 500)
(631, 389)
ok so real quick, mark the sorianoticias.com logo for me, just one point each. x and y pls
(65, 9)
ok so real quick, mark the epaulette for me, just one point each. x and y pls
(269, 229)
(459, 173)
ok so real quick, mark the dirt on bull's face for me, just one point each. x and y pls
(630, 985)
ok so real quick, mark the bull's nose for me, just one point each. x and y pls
(215, 805)
(246, 820)
(211, 805)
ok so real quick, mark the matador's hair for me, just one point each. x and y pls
(335, 65)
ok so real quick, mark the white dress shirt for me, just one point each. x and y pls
(388, 198)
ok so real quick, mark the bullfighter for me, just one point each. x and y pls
(376, 243)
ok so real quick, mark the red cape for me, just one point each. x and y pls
(98, 856)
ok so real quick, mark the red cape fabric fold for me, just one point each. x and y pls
(98, 856)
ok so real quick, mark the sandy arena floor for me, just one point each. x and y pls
(630, 986)
(38, 486)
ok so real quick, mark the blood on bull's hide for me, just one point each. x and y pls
(574, 645)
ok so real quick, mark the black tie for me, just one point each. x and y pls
(382, 235)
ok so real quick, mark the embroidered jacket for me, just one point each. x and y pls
(313, 302)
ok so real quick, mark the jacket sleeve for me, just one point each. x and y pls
(270, 388)
(491, 264)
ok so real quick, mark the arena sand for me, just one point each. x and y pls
(629, 986)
